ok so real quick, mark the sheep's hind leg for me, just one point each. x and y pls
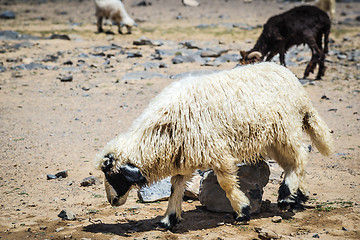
(293, 190)
(239, 202)
(173, 212)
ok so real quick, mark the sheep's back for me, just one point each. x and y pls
(236, 112)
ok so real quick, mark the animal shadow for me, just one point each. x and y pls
(193, 220)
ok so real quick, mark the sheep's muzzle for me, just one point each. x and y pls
(112, 196)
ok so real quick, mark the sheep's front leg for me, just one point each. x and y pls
(99, 24)
(173, 212)
(239, 202)
(119, 24)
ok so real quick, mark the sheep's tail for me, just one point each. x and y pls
(319, 132)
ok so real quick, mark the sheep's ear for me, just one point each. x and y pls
(132, 173)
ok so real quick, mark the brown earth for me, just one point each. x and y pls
(48, 126)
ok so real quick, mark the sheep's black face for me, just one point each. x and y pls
(118, 182)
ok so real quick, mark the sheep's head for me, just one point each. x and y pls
(119, 179)
(250, 57)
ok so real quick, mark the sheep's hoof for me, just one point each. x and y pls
(293, 202)
(168, 222)
(245, 215)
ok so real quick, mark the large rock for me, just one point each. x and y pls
(252, 181)
(158, 191)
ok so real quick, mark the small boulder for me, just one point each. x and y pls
(88, 181)
(67, 215)
(252, 179)
(158, 191)
(192, 188)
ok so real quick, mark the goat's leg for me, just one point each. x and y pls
(173, 212)
(316, 55)
(282, 58)
(239, 202)
(270, 56)
(99, 24)
(292, 158)
(322, 67)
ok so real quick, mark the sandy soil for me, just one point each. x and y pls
(48, 126)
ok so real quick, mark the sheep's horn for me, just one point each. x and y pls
(256, 54)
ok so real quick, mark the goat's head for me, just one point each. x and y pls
(119, 179)
(248, 57)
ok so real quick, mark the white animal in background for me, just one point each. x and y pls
(115, 11)
(328, 6)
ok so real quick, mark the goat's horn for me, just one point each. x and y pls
(256, 54)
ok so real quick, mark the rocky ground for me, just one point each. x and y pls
(66, 90)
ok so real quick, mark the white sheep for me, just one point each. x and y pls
(216, 121)
(114, 10)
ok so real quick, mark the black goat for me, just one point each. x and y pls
(300, 25)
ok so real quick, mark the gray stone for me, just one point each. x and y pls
(67, 215)
(190, 45)
(134, 55)
(60, 36)
(62, 174)
(65, 78)
(12, 35)
(190, 3)
(59, 229)
(158, 191)
(266, 234)
(228, 58)
(25, 44)
(183, 59)
(276, 219)
(7, 15)
(31, 66)
(2, 68)
(146, 41)
(142, 75)
(243, 26)
(213, 52)
(192, 188)
(88, 181)
(252, 181)
(203, 26)
(50, 176)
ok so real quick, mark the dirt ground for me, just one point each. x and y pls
(47, 125)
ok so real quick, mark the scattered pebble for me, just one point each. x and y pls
(7, 15)
(276, 219)
(59, 229)
(66, 78)
(344, 229)
(67, 215)
(62, 174)
(89, 181)
(50, 176)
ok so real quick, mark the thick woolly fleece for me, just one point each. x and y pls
(216, 120)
